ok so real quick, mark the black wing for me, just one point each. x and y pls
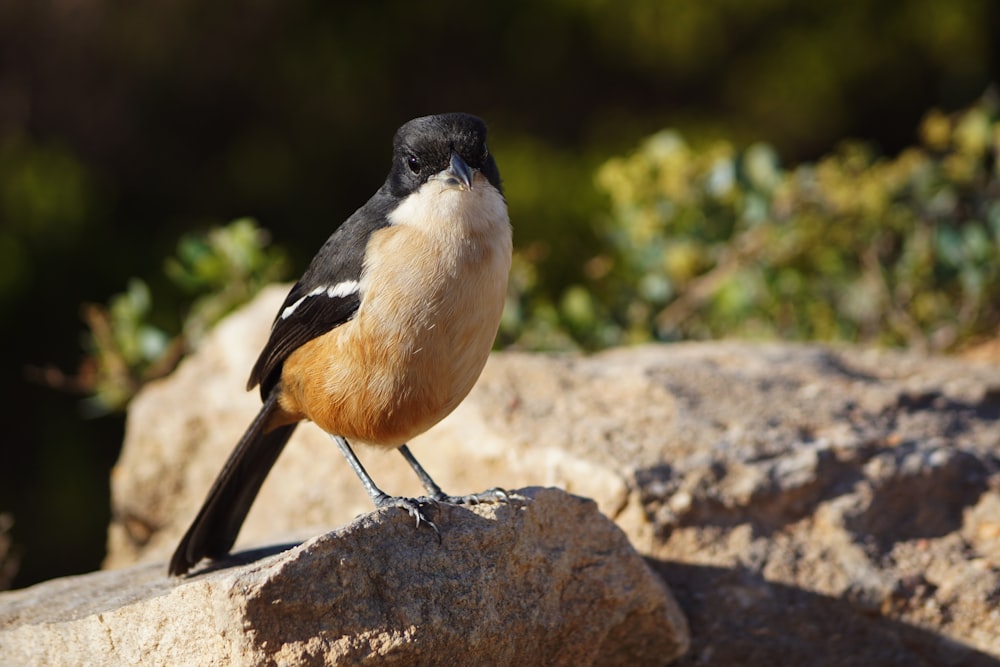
(323, 298)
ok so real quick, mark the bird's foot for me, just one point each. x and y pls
(494, 495)
(415, 507)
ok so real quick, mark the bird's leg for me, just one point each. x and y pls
(435, 492)
(379, 497)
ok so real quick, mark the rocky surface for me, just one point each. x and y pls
(540, 579)
(807, 505)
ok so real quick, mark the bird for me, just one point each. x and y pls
(386, 331)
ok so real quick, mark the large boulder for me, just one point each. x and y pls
(540, 579)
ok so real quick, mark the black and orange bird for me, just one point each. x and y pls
(387, 330)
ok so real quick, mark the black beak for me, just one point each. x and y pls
(458, 173)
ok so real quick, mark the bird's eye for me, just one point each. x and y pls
(413, 162)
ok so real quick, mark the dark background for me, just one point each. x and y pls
(124, 125)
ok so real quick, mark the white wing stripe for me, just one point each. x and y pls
(341, 290)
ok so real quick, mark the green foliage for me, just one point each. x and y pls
(224, 268)
(699, 242)
(714, 241)
(554, 187)
(218, 270)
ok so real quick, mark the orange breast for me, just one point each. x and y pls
(417, 345)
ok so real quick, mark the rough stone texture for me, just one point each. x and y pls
(541, 579)
(807, 504)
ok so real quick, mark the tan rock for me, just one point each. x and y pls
(792, 496)
(542, 579)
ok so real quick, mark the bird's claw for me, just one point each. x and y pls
(415, 507)
(496, 494)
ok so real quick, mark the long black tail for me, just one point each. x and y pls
(214, 530)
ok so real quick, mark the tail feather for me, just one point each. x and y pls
(214, 529)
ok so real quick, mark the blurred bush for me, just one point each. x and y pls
(712, 241)
(697, 243)
(218, 270)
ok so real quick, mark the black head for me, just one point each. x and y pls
(423, 148)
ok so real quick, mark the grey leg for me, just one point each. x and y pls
(379, 497)
(435, 492)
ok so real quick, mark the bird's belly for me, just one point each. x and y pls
(413, 352)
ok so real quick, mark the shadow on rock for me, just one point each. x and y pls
(739, 618)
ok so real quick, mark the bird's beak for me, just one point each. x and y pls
(458, 174)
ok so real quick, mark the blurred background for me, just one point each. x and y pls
(763, 168)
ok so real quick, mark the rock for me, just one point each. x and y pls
(541, 579)
(807, 504)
